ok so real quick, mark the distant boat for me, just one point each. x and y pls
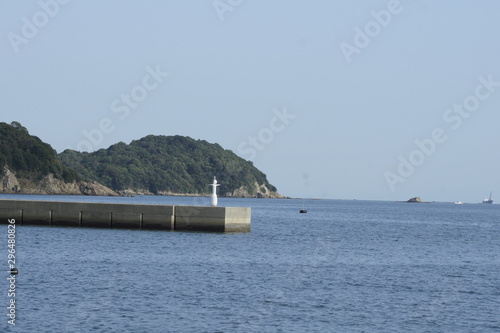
(459, 203)
(488, 200)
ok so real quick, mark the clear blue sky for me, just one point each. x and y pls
(326, 97)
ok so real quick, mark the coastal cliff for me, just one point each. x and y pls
(257, 191)
(51, 185)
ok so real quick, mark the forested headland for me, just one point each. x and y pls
(155, 164)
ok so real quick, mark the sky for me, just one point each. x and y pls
(336, 99)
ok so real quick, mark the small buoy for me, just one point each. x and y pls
(14, 271)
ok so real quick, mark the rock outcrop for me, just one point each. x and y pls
(417, 200)
(9, 181)
(51, 185)
(259, 191)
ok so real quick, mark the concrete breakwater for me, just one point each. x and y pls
(128, 216)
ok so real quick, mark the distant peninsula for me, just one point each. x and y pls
(153, 165)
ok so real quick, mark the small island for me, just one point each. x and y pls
(417, 200)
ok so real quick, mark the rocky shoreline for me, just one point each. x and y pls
(11, 184)
(51, 185)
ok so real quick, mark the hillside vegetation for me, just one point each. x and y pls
(170, 165)
(151, 165)
(29, 157)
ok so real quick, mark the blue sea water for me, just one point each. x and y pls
(345, 266)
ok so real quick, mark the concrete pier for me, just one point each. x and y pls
(127, 216)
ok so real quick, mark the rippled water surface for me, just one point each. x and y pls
(345, 266)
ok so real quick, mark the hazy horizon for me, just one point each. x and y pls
(372, 100)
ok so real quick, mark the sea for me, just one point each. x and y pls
(344, 266)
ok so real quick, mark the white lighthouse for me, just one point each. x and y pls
(214, 192)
